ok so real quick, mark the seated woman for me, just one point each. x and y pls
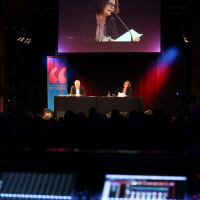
(125, 90)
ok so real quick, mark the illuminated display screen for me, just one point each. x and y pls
(78, 30)
(144, 187)
(14, 185)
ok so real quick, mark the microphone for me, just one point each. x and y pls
(124, 26)
(117, 91)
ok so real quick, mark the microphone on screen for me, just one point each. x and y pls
(124, 25)
(117, 91)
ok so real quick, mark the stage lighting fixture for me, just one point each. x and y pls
(24, 39)
(19, 39)
(185, 39)
(23, 36)
(27, 41)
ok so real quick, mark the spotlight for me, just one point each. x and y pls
(27, 41)
(21, 39)
(185, 39)
(24, 39)
(23, 36)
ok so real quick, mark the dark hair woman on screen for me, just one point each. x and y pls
(99, 24)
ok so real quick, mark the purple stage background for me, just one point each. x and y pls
(142, 16)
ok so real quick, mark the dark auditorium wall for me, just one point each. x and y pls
(26, 65)
(1, 61)
(196, 50)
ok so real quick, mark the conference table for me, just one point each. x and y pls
(103, 104)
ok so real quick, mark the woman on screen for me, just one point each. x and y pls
(99, 24)
(125, 90)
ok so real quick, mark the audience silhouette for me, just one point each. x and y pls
(153, 130)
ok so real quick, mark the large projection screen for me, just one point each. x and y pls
(142, 17)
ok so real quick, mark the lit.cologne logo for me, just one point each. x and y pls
(53, 78)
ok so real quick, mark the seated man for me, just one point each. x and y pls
(77, 90)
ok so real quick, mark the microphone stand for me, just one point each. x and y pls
(117, 91)
(124, 26)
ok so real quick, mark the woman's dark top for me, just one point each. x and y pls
(128, 91)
